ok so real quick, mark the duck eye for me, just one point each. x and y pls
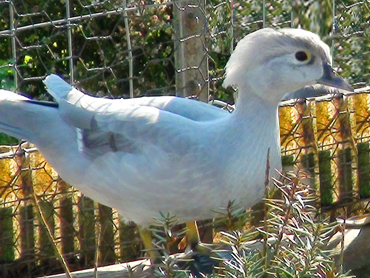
(301, 56)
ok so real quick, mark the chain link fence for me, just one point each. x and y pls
(122, 48)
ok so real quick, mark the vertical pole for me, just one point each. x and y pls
(364, 169)
(332, 41)
(232, 26)
(347, 156)
(130, 249)
(327, 184)
(87, 230)
(47, 251)
(130, 58)
(309, 134)
(27, 235)
(69, 36)
(7, 254)
(292, 18)
(191, 57)
(14, 48)
(106, 248)
(264, 13)
(66, 222)
(327, 196)
(191, 62)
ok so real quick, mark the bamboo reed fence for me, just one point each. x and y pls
(74, 221)
(327, 136)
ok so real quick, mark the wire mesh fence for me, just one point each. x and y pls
(327, 137)
(122, 48)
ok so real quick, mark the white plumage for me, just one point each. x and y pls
(169, 154)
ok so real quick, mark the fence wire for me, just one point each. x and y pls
(122, 48)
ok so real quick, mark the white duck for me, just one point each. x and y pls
(165, 154)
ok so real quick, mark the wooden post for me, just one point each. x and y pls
(66, 222)
(362, 109)
(345, 175)
(47, 253)
(348, 188)
(308, 164)
(306, 111)
(107, 237)
(26, 212)
(87, 233)
(6, 234)
(191, 62)
(27, 233)
(364, 169)
(129, 240)
(326, 190)
(287, 162)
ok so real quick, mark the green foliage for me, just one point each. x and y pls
(101, 55)
(231, 218)
(326, 190)
(164, 235)
(294, 218)
(7, 140)
(6, 82)
(6, 233)
(351, 52)
(6, 76)
(315, 16)
(100, 51)
(290, 242)
(364, 171)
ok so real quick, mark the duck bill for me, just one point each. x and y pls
(330, 78)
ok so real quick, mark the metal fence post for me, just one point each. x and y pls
(14, 45)
(70, 43)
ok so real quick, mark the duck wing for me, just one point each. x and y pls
(169, 124)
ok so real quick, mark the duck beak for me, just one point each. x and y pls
(330, 78)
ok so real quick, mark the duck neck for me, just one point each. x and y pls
(257, 119)
(252, 106)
